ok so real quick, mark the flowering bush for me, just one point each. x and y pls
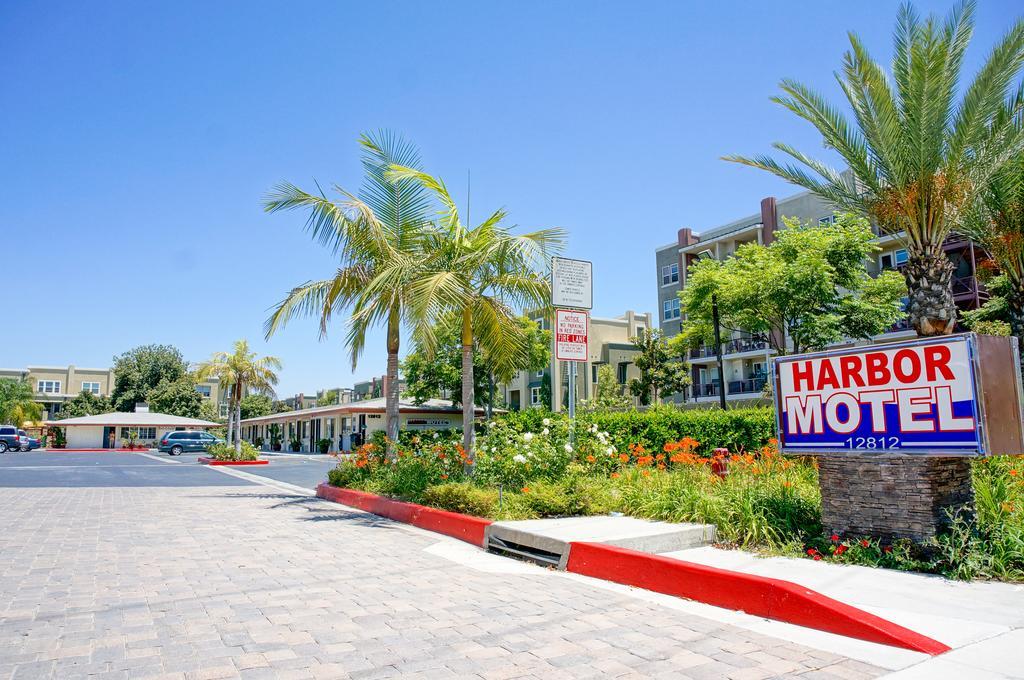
(510, 458)
(221, 451)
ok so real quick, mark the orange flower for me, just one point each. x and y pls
(444, 476)
(645, 473)
(1013, 473)
(591, 459)
(624, 457)
(525, 489)
(661, 466)
(615, 475)
(787, 484)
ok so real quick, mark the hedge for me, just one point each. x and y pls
(741, 429)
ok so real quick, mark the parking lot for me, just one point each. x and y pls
(120, 565)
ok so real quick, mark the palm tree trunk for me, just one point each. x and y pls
(391, 389)
(231, 421)
(1015, 309)
(468, 398)
(929, 277)
(238, 427)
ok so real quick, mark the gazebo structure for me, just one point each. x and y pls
(112, 430)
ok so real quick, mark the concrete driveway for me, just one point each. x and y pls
(117, 565)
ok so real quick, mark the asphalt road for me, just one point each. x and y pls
(104, 469)
(301, 469)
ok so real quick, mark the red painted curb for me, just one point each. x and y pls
(211, 461)
(758, 595)
(463, 527)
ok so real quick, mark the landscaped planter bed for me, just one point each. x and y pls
(212, 461)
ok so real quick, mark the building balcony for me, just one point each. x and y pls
(743, 345)
(705, 390)
(753, 385)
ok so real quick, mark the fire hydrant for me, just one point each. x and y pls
(720, 463)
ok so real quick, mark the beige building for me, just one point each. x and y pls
(54, 385)
(608, 343)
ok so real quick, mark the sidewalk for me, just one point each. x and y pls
(983, 622)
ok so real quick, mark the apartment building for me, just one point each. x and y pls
(609, 343)
(54, 385)
(746, 361)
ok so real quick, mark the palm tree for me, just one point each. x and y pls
(378, 237)
(918, 152)
(17, 403)
(997, 223)
(480, 276)
(240, 371)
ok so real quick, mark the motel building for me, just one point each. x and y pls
(112, 430)
(347, 426)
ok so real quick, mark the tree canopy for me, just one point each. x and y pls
(17, 402)
(809, 285)
(177, 398)
(84, 404)
(662, 369)
(140, 370)
(256, 405)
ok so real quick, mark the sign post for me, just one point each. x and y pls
(572, 290)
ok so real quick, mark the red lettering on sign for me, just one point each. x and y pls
(827, 377)
(936, 359)
(849, 368)
(803, 375)
(899, 367)
(878, 372)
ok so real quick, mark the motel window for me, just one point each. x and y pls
(144, 433)
(669, 274)
(540, 373)
(893, 259)
(223, 410)
(91, 387)
(204, 390)
(670, 309)
(825, 221)
(535, 396)
(48, 386)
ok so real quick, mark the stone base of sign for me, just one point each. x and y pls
(889, 498)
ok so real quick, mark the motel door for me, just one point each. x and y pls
(314, 434)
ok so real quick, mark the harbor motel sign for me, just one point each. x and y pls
(951, 396)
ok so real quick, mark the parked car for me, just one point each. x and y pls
(27, 443)
(176, 443)
(10, 440)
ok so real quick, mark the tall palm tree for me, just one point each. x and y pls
(997, 223)
(378, 236)
(240, 371)
(918, 152)
(483, 276)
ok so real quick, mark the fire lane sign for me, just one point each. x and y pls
(572, 283)
(571, 330)
(918, 397)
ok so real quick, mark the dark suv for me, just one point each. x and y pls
(10, 440)
(176, 443)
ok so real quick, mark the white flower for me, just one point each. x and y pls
(545, 432)
(531, 454)
(527, 437)
(435, 435)
(519, 458)
(593, 428)
(568, 448)
(546, 421)
(611, 450)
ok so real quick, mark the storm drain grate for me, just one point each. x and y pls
(523, 552)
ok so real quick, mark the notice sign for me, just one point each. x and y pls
(572, 283)
(906, 398)
(571, 335)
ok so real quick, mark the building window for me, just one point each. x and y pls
(204, 390)
(593, 370)
(223, 410)
(144, 433)
(48, 386)
(540, 373)
(669, 274)
(893, 259)
(670, 309)
(535, 396)
(826, 221)
(92, 387)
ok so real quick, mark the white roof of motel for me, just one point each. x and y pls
(143, 419)
(405, 405)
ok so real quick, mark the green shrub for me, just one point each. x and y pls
(463, 497)
(324, 445)
(220, 451)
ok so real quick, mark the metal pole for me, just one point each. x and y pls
(572, 402)
(718, 351)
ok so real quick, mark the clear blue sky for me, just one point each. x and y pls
(137, 140)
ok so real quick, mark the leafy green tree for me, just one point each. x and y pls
(208, 411)
(240, 371)
(255, 405)
(328, 398)
(437, 373)
(140, 370)
(84, 404)
(663, 371)
(176, 398)
(480, 274)
(921, 145)
(378, 237)
(809, 285)
(17, 403)
(608, 393)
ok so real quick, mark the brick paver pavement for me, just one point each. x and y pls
(226, 582)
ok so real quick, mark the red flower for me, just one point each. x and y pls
(887, 549)
(812, 551)
(817, 557)
(834, 538)
(864, 543)
(840, 549)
